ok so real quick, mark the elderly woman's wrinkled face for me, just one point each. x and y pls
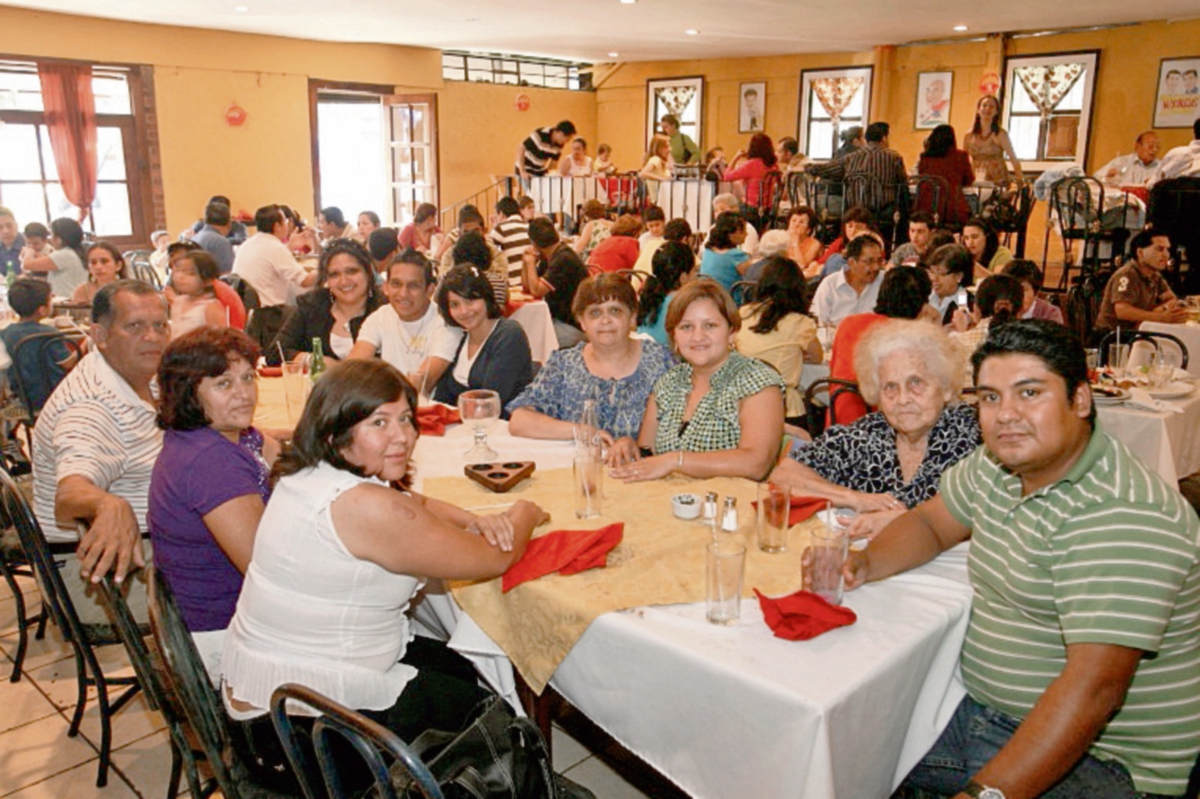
(703, 336)
(607, 323)
(910, 398)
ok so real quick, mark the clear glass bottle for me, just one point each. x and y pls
(316, 365)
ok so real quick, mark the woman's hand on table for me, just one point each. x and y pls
(496, 528)
(622, 452)
(870, 503)
(650, 468)
(529, 512)
(869, 525)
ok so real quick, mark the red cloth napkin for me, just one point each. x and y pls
(270, 371)
(432, 419)
(802, 615)
(512, 306)
(801, 508)
(564, 551)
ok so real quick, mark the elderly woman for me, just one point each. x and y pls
(325, 601)
(673, 265)
(209, 484)
(891, 460)
(717, 414)
(334, 311)
(494, 353)
(65, 267)
(777, 329)
(615, 370)
(105, 264)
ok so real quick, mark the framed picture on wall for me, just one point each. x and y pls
(682, 98)
(1177, 98)
(831, 102)
(933, 99)
(752, 107)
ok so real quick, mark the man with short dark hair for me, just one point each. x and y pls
(1080, 659)
(332, 224)
(511, 234)
(541, 148)
(920, 232)
(853, 289)
(213, 238)
(1137, 292)
(237, 231)
(384, 245)
(873, 174)
(266, 263)
(96, 442)
(553, 270)
(1182, 161)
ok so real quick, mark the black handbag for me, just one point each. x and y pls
(496, 756)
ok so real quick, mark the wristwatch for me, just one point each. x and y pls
(978, 790)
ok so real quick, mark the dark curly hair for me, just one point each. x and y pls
(205, 352)
(356, 251)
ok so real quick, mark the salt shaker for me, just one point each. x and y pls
(729, 518)
(710, 506)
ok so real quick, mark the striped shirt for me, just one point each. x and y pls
(95, 426)
(874, 176)
(511, 235)
(1107, 555)
(540, 150)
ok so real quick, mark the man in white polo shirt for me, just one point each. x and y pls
(266, 263)
(95, 444)
(855, 288)
(408, 332)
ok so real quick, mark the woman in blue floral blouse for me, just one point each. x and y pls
(616, 371)
(718, 413)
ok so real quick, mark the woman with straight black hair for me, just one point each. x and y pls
(65, 267)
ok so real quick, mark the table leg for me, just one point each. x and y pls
(542, 709)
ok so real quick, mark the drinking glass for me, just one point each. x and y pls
(773, 506)
(479, 408)
(589, 474)
(1118, 358)
(296, 387)
(1093, 361)
(725, 565)
(829, 548)
(1162, 369)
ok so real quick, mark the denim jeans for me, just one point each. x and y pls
(977, 733)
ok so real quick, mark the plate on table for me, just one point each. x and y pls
(1172, 390)
(1108, 395)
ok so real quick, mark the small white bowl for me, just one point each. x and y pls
(686, 506)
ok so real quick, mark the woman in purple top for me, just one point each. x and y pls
(209, 485)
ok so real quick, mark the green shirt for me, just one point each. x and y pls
(1106, 555)
(683, 149)
(716, 423)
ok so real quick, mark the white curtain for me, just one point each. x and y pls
(834, 94)
(1047, 85)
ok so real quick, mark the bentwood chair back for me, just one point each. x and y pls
(83, 638)
(371, 741)
(35, 353)
(156, 682)
(1155, 338)
(14, 564)
(815, 412)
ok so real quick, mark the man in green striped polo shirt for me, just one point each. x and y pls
(1082, 656)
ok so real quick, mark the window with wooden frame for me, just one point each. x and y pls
(123, 211)
(1048, 107)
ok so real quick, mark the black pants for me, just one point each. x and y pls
(440, 697)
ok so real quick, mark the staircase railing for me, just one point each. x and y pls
(485, 200)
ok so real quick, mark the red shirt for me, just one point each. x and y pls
(614, 254)
(232, 302)
(753, 171)
(835, 247)
(954, 168)
(850, 407)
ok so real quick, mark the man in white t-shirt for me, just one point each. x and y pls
(408, 332)
(266, 263)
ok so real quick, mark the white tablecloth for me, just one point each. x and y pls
(538, 324)
(1188, 333)
(734, 712)
(1166, 442)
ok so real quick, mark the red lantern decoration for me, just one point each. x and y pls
(989, 83)
(235, 116)
(522, 102)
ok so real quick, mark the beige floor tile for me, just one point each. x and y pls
(21, 702)
(48, 650)
(566, 751)
(596, 776)
(8, 604)
(134, 721)
(146, 764)
(58, 678)
(78, 783)
(31, 753)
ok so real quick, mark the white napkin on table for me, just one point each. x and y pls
(1140, 398)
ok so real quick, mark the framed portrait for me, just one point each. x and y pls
(934, 90)
(1177, 99)
(832, 102)
(683, 98)
(752, 107)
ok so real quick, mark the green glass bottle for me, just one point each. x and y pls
(316, 366)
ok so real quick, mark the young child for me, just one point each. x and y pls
(30, 298)
(195, 305)
(159, 258)
(37, 241)
(603, 164)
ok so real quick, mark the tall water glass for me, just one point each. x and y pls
(829, 548)
(296, 387)
(773, 507)
(725, 564)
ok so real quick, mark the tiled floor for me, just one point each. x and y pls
(39, 761)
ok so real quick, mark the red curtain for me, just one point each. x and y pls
(71, 123)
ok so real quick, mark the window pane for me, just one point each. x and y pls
(402, 164)
(26, 200)
(112, 95)
(1021, 101)
(59, 205)
(110, 154)
(18, 153)
(820, 139)
(1073, 101)
(815, 109)
(110, 211)
(400, 131)
(20, 91)
(454, 73)
(1023, 131)
(1062, 137)
(855, 108)
(48, 164)
(507, 77)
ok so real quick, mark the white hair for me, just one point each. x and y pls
(942, 360)
(726, 200)
(773, 242)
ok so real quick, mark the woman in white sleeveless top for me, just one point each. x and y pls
(340, 552)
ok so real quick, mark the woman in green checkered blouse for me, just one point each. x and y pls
(716, 414)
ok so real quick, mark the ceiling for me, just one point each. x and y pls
(591, 30)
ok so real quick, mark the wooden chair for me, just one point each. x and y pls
(372, 741)
(83, 638)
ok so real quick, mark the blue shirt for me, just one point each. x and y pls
(10, 257)
(722, 266)
(658, 328)
(216, 245)
(39, 382)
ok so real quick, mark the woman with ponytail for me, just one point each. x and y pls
(64, 268)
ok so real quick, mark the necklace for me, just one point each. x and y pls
(416, 343)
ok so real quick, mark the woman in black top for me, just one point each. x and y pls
(345, 294)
